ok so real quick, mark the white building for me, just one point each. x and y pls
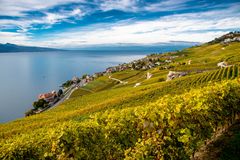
(172, 75)
(137, 84)
(149, 75)
(222, 64)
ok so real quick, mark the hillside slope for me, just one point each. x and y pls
(157, 120)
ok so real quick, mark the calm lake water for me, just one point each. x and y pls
(23, 76)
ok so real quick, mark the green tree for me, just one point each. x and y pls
(84, 76)
(60, 92)
(67, 84)
(29, 112)
(41, 103)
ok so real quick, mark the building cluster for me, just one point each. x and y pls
(223, 64)
(172, 75)
(44, 101)
(51, 98)
(146, 63)
(118, 68)
(48, 97)
(227, 38)
(83, 81)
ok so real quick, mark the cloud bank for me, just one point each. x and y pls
(67, 23)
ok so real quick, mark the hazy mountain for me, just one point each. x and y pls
(161, 47)
(154, 47)
(8, 47)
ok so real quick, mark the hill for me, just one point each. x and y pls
(8, 47)
(156, 119)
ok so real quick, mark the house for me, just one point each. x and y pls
(236, 39)
(83, 82)
(151, 65)
(89, 78)
(137, 84)
(149, 75)
(49, 97)
(222, 64)
(158, 63)
(98, 74)
(111, 69)
(172, 75)
(75, 79)
(228, 40)
(168, 61)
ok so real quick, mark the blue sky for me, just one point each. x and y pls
(81, 23)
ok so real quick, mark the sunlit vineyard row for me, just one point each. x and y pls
(227, 73)
(173, 127)
(157, 120)
(79, 107)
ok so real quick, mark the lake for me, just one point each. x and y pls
(23, 76)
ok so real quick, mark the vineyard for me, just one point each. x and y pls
(159, 119)
(158, 130)
(227, 73)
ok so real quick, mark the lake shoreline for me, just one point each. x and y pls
(37, 72)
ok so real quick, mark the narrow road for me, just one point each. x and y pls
(85, 89)
(68, 93)
(66, 96)
(115, 79)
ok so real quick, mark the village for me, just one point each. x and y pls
(49, 100)
(165, 61)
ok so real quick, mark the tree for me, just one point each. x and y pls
(133, 66)
(30, 112)
(41, 103)
(67, 84)
(84, 76)
(60, 92)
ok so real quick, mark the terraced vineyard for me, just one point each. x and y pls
(227, 73)
(156, 120)
(159, 129)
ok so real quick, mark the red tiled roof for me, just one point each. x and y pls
(46, 95)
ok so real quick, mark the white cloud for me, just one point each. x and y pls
(167, 5)
(19, 7)
(52, 18)
(194, 27)
(48, 20)
(137, 6)
(197, 27)
(124, 5)
(17, 38)
(77, 12)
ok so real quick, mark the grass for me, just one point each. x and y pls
(99, 84)
(81, 92)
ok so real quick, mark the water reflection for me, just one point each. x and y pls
(25, 75)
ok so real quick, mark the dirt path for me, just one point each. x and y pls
(226, 146)
(115, 79)
(86, 90)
